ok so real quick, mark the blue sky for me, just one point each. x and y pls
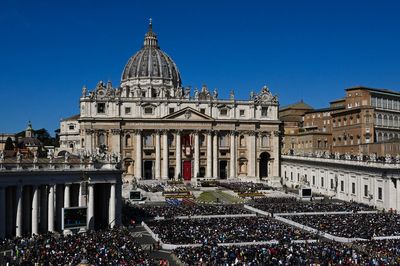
(310, 50)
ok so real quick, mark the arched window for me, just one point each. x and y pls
(102, 139)
(223, 140)
(379, 120)
(148, 140)
(390, 121)
(385, 120)
(379, 137)
(242, 141)
(264, 141)
(171, 140)
(202, 140)
(128, 140)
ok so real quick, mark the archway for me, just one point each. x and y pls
(223, 169)
(264, 159)
(171, 173)
(148, 170)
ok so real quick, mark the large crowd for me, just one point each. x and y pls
(225, 230)
(244, 186)
(112, 247)
(191, 210)
(319, 253)
(291, 205)
(358, 225)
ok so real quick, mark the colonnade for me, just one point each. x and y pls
(28, 209)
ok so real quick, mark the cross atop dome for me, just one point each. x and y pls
(150, 39)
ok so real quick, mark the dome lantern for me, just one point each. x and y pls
(151, 67)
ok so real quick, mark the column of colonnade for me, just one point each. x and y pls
(165, 155)
(26, 208)
(233, 152)
(2, 212)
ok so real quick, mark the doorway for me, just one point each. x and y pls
(187, 170)
(222, 169)
(264, 160)
(148, 170)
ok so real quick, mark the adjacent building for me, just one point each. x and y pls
(365, 121)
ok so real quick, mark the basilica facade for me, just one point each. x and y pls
(162, 130)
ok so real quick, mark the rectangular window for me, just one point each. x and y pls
(291, 176)
(127, 110)
(322, 182)
(223, 112)
(148, 110)
(380, 196)
(71, 127)
(342, 186)
(101, 108)
(298, 177)
(171, 110)
(365, 190)
(353, 188)
(202, 110)
(264, 111)
(313, 180)
(148, 140)
(332, 185)
(241, 112)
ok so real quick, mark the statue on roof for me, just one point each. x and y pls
(265, 96)
(84, 91)
(215, 94)
(232, 95)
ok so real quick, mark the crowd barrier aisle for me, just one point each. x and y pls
(317, 232)
(385, 237)
(250, 208)
(321, 213)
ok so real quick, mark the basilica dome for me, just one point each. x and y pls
(151, 63)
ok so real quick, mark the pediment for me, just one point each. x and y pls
(188, 114)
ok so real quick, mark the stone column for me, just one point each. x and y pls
(118, 198)
(18, 220)
(111, 206)
(209, 154)
(275, 153)
(116, 140)
(50, 209)
(232, 168)
(138, 161)
(43, 208)
(178, 147)
(35, 210)
(196, 162)
(90, 214)
(2, 212)
(67, 195)
(88, 139)
(165, 155)
(158, 155)
(215, 155)
(251, 154)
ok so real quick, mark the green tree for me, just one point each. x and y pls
(9, 144)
